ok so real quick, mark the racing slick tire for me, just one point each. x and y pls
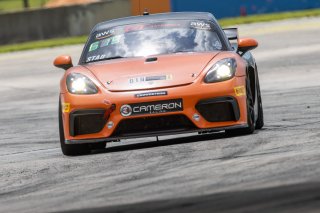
(260, 120)
(70, 149)
(250, 115)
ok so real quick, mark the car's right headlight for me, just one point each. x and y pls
(80, 84)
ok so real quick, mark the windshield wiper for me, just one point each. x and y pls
(184, 51)
(113, 57)
(104, 59)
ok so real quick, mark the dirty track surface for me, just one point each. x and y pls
(275, 169)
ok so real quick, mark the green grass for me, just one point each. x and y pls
(224, 22)
(43, 44)
(269, 17)
(15, 5)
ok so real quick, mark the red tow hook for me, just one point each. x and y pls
(109, 111)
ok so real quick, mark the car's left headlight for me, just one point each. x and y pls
(80, 84)
(223, 70)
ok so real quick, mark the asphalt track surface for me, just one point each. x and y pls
(277, 169)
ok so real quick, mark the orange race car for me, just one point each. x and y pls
(157, 75)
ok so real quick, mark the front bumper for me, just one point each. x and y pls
(206, 107)
(150, 134)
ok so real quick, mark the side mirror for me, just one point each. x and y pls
(63, 61)
(246, 44)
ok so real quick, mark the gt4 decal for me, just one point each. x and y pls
(240, 91)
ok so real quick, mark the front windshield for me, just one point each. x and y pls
(152, 39)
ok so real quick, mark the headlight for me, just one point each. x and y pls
(221, 71)
(80, 84)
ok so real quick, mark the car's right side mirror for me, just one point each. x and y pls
(63, 61)
(246, 44)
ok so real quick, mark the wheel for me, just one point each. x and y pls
(70, 149)
(250, 115)
(260, 120)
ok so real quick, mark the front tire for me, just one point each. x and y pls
(70, 149)
(260, 120)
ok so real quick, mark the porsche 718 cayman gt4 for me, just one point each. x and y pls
(157, 75)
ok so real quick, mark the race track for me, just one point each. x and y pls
(277, 169)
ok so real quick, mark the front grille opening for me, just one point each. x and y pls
(153, 124)
(86, 122)
(219, 110)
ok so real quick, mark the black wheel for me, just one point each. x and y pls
(260, 120)
(70, 149)
(250, 115)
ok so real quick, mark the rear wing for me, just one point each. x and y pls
(233, 36)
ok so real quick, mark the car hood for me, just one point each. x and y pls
(151, 72)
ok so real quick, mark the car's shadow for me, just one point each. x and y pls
(166, 142)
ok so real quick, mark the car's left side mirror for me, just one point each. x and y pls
(246, 44)
(63, 61)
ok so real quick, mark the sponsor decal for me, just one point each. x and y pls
(110, 124)
(240, 91)
(110, 41)
(150, 78)
(200, 25)
(65, 107)
(126, 110)
(95, 58)
(196, 117)
(131, 28)
(105, 34)
(159, 25)
(149, 94)
(162, 25)
(94, 46)
(105, 42)
(152, 107)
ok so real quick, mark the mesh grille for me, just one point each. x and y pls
(86, 122)
(219, 110)
(153, 124)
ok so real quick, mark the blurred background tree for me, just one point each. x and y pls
(26, 4)
(15, 5)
